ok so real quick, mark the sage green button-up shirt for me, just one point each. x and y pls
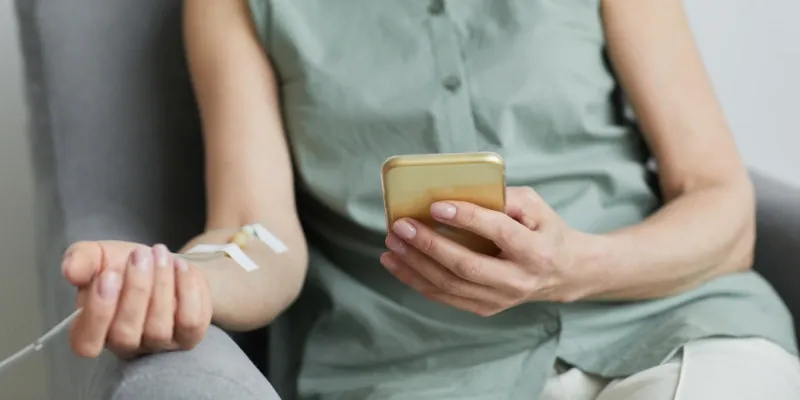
(363, 80)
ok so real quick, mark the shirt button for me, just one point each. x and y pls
(452, 83)
(552, 328)
(436, 7)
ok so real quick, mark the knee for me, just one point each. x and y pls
(215, 369)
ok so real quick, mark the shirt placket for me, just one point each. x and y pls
(456, 128)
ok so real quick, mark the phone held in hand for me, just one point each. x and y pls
(412, 183)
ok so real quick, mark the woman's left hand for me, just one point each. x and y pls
(536, 263)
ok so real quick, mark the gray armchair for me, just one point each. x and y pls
(117, 152)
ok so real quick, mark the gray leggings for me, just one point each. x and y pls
(215, 369)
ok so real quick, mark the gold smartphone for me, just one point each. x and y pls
(411, 183)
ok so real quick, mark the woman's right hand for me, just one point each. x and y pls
(136, 299)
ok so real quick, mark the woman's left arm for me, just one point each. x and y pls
(707, 226)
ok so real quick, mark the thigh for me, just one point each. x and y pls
(510, 378)
(215, 369)
(720, 368)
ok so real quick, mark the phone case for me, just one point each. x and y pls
(411, 183)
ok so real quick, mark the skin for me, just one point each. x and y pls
(149, 307)
(705, 230)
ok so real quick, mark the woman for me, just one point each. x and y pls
(602, 291)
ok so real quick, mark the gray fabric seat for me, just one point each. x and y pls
(117, 153)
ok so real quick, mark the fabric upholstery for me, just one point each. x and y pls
(778, 240)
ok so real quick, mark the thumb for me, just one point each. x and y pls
(85, 260)
(81, 262)
(526, 206)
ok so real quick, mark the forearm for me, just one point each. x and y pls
(695, 237)
(245, 300)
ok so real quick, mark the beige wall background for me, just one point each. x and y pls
(750, 49)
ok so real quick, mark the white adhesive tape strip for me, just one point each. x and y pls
(267, 237)
(236, 253)
(233, 251)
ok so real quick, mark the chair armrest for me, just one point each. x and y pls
(778, 238)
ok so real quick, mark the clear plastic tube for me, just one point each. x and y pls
(37, 344)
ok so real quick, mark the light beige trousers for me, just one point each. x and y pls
(708, 369)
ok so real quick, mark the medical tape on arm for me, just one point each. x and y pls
(266, 237)
(235, 252)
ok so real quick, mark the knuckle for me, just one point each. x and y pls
(450, 286)
(520, 287)
(85, 348)
(469, 216)
(124, 337)
(190, 322)
(505, 235)
(467, 268)
(158, 332)
(428, 244)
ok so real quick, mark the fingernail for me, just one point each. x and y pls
(109, 285)
(387, 262)
(394, 244)
(142, 259)
(181, 264)
(161, 255)
(443, 210)
(404, 230)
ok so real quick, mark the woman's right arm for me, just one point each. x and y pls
(248, 166)
(131, 307)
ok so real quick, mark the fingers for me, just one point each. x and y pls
(457, 259)
(125, 333)
(404, 273)
(443, 279)
(496, 226)
(88, 333)
(193, 310)
(81, 262)
(411, 277)
(154, 302)
(159, 325)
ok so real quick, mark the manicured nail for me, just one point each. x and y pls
(387, 262)
(181, 265)
(396, 245)
(404, 230)
(161, 255)
(443, 210)
(109, 285)
(142, 259)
